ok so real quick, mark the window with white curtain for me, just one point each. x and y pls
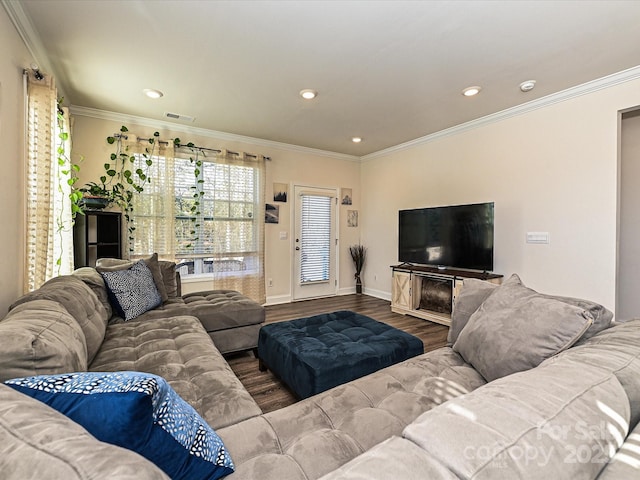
(49, 235)
(222, 237)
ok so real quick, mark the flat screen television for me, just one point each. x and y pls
(456, 236)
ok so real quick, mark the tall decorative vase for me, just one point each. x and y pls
(358, 254)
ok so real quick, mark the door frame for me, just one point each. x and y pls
(294, 231)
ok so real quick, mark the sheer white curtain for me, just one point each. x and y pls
(49, 235)
(153, 217)
(233, 212)
(220, 237)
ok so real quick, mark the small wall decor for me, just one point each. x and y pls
(347, 196)
(352, 218)
(271, 213)
(280, 192)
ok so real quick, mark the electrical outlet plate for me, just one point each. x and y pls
(538, 238)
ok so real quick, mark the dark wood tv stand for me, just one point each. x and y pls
(430, 292)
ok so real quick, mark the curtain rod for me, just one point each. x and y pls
(180, 145)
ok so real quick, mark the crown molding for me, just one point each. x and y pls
(568, 94)
(34, 45)
(204, 132)
(32, 40)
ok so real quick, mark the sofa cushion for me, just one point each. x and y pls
(40, 337)
(95, 282)
(137, 411)
(315, 436)
(560, 420)
(473, 293)
(170, 277)
(395, 458)
(151, 261)
(132, 291)
(616, 349)
(179, 350)
(79, 301)
(626, 462)
(515, 329)
(38, 442)
(224, 309)
(602, 317)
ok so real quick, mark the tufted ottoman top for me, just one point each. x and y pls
(316, 353)
(224, 309)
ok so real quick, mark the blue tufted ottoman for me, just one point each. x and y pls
(317, 353)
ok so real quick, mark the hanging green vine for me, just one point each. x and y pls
(69, 172)
(197, 192)
(122, 179)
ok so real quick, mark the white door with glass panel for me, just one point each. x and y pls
(314, 242)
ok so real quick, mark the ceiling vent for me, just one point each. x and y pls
(177, 116)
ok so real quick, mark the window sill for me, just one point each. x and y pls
(201, 277)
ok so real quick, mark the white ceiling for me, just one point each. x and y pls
(388, 71)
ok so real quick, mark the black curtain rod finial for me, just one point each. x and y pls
(37, 74)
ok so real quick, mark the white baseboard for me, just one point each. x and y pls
(347, 291)
(377, 293)
(280, 299)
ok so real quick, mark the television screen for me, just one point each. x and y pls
(458, 236)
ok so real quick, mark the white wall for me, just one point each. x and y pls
(288, 165)
(628, 304)
(553, 169)
(14, 56)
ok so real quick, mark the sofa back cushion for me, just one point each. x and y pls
(95, 282)
(40, 337)
(171, 278)
(38, 442)
(80, 301)
(561, 420)
(616, 349)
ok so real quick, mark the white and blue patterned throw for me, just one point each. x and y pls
(132, 291)
(138, 411)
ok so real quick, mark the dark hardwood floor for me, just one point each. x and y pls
(271, 394)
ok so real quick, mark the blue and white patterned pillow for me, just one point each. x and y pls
(132, 291)
(137, 411)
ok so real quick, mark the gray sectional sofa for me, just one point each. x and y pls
(565, 402)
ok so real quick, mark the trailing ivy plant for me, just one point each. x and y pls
(70, 172)
(197, 191)
(122, 179)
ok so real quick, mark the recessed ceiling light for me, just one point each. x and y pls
(471, 91)
(308, 94)
(356, 139)
(152, 93)
(528, 85)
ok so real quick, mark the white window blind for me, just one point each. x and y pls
(222, 238)
(315, 238)
(226, 224)
(222, 234)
